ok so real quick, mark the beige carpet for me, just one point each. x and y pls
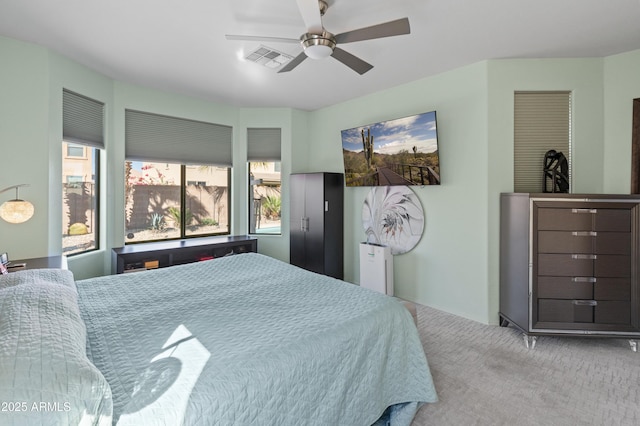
(485, 375)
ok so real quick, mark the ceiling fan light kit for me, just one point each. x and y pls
(318, 43)
(318, 46)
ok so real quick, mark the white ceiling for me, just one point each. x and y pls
(180, 45)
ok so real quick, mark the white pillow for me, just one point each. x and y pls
(50, 276)
(45, 375)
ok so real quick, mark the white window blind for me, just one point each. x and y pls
(542, 122)
(154, 137)
(263, 144)
(82, 120)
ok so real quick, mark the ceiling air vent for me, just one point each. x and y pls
(268, 57)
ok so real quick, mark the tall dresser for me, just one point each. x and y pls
(569, 265)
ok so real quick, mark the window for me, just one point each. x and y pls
(542, 122)
(83, 121)
(160, 207)
(265, 191)
(75, 150)
(178, 177)
(77, 180)
(265, 198)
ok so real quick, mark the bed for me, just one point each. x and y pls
(240, 340)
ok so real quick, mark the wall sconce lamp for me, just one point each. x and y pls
(17, 210)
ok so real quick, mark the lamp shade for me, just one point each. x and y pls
(16, 211)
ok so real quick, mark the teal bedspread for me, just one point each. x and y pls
(250, 340)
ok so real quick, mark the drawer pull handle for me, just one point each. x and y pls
(584, 256)
(592, 211)
(584, 234)
(584, 279)
(585, 302)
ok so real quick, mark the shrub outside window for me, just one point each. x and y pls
(171, 201)
(265, 198)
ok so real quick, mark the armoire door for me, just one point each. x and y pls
(316, 222)
(314, 213)
(297, 221)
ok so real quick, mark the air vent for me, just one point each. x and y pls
(268, 57)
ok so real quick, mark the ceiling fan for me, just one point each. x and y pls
(318, 43)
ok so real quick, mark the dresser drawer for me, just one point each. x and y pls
(613, 220)
(552, 310)
(612, 243)
(608, 265)
(564, 219)
(610, 312)
(587, 217)
(584, 265)
(565, 288)
(566, 242)
(583, 288)
(584, 242)
(612, 289)
(565, 265)
(584, 311)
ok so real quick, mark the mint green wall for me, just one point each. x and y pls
(135, 97)
(31, 83)
(66, 74)
(448, 267)
(583, 77)
(621, 86)
(275, 245)
(128, 96)
(455, 265)
(24, 131)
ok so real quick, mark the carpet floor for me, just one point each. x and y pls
(485, 375)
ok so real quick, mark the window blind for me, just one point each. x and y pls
(263, 144)
(82, 120)
(154, 137)
(542, 121)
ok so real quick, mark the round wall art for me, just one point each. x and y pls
(393, 216)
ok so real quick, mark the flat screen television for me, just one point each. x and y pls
(403, 151)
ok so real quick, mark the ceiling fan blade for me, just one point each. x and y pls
(310, 11)
(294, 63)
(387, 29)
(260, 38)
(353, 62)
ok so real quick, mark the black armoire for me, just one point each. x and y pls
(316, 222)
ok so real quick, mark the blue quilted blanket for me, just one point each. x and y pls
(250, 340)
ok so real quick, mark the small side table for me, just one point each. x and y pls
(57, 262)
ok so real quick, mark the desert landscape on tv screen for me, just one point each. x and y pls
(403, 151)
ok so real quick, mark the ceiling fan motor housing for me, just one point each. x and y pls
(318, 46)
